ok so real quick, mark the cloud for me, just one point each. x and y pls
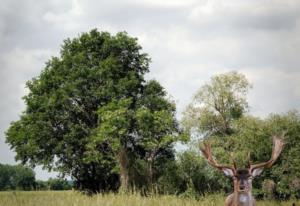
(188, 41)
(245, 15)
(274, 91)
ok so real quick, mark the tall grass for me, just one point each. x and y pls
(70, 198)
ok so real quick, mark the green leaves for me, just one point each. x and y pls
(85, 113)
(16, 177)
(95, 70)
(218, 114)
(114, 123)
(217, 104)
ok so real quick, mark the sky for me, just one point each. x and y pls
(187, 40)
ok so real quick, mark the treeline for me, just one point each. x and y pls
(53, 184)
(19, 177)
(219, 114)
(190, 175)
(16, 177)
(91, 115)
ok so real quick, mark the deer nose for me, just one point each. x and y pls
(242, 187)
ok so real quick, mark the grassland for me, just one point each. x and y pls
(70, 198)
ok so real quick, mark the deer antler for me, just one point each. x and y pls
(208, 155)
(277, 148)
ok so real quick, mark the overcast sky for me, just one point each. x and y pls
(188, 41)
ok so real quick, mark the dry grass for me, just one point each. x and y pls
(70, 198)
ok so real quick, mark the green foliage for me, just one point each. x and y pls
(85, 115)
(53, 184)
(57, 126)
(5, 173)
(218, 113)
(253, 135)
(158, 128)
(171, 182)
(16, 177)
(217, 104)
(58, 184)
(286, 172)
(41, 185)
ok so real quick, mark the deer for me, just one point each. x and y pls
(242, 178)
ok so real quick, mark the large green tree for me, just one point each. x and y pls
(80, 111)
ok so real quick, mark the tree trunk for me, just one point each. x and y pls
(150, 170)
(124, 178)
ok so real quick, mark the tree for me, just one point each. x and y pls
(218, 113)
(5, 174)
(286, 173)
(41, 185)
(24, 177)
(254, 135)
(16, 177)
(157, 125)
(217, 104)
(144, 128)
(115, 131)
(80, 116)
(62, 104)
(58, 184)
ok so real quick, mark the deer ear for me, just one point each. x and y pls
(228, 172)
(256, 172)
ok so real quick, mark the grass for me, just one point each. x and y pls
(71, 198)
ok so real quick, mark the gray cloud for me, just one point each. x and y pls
(254, 15)
(188, 41)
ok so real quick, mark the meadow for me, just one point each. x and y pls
(71, 198)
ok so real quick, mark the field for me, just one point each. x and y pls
(49, 198)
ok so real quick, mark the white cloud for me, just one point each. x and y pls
(68, 19)
(169, 3)
(274, 91)
(246, 15)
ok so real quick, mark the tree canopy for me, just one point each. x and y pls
(216, 104)
(83, 113)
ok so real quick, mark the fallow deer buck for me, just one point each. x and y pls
(242, 178)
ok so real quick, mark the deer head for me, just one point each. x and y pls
(242, 178)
